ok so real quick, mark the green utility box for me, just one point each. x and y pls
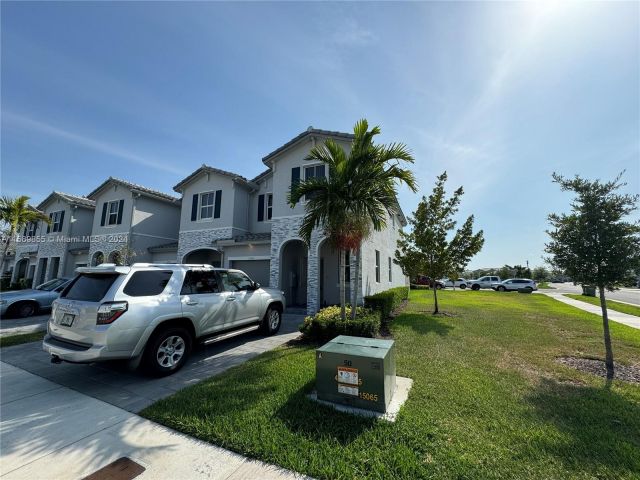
(356, 371)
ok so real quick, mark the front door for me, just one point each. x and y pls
(203, 300)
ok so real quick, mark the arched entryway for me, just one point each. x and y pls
(207, 256)
(115, 257)
(329, 275)
(97, 258)
(293, 272)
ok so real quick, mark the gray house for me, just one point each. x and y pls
(44, 252)
(130, 218)
(230, 221)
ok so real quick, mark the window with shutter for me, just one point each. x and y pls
(295, 176)
(261, 208)
(218, 206)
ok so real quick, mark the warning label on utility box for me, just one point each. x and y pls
(347, 389)
(348, 375)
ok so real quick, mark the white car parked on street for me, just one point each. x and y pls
(516, 284)
(484, 282)
(459, 283)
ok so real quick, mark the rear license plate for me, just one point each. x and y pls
(67, 319)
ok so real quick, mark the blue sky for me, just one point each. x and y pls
(498, 94)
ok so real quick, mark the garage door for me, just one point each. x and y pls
(258, 270)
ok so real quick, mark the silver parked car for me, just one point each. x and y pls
(155, 313)
(516, 284)
(447, 282)
(24, 303)
(484, 282)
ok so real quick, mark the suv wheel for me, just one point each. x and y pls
(501, 288)
(272, 321)
(439, 286)
(25, 309)
(167, 351)
(463, 286)
(475, 287)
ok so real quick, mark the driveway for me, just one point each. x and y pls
(132, 391)
(52, 432)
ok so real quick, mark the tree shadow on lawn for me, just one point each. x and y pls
(598, 426)
(318, 422)
(424, 323)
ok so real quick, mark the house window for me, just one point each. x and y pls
(207, 202)
(390, 271)
(56, 221)
(265, 209)
(112, 218)
(313, 171)
(30, 229)
(377, 266)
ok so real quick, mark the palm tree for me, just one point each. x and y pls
(16, 213)
(359, 194)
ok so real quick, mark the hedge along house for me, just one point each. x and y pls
(61, 246)
(130, 218)
(230, 221)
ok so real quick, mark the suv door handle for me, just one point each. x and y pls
(191, 302)
(230, 299)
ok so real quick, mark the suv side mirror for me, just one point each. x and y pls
(256, 285)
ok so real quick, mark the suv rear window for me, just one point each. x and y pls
(90, 287)
(147, 283)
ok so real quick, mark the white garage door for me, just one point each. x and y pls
(258, 270)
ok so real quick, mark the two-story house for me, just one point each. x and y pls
(133, 221)
(44, 252)
(230, 221)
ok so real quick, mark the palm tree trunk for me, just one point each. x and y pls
(607, 337)
(6, 247)
(435, 298)
(343, 312)
(356, 285)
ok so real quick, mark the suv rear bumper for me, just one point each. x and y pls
(74, 353)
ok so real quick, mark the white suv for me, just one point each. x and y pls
(517, 284)
(155, 312)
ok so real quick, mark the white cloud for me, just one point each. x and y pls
(25, 122)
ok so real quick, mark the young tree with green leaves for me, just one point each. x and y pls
(16, 213)
(358, 194)
(430, 244)
(594, 244)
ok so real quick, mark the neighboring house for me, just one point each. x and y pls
(230, 221)
(44, 252)
(130, 218)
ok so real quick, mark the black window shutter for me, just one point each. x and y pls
(261, 208)
(120, 208)
(295, 176)
(216, 208)
(194, 208)
(320, 171)
(61, 221)
(49, 224)
(104, 214)
(24, 234)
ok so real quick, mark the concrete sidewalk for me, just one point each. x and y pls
(17, 326)
(630, 320)
(48, 431)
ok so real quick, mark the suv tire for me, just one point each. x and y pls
(271, 321)
(167, 350)
(463, 286)
(501, 289)
(475, 287)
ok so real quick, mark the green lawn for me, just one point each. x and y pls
(11, 340)
(488, 400)
(611, 304)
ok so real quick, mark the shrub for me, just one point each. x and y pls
(327, 324)
(415, 286)
(387, 301)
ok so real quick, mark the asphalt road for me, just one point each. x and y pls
(629, 295)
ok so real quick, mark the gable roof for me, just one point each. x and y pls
(308, 132)
(134, 187)
(262, 175)
(207, 169)
(69, 198)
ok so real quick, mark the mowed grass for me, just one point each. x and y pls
(10, 340)
(611, 304)
(488, 400)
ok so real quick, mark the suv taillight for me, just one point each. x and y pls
(108, 312)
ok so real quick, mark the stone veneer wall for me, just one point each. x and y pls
(48, 250)
(190, 240)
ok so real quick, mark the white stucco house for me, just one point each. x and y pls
(230, 221)
(222, 219)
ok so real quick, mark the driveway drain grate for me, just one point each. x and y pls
(121, 469)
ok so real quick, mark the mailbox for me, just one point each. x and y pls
(355, 371)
